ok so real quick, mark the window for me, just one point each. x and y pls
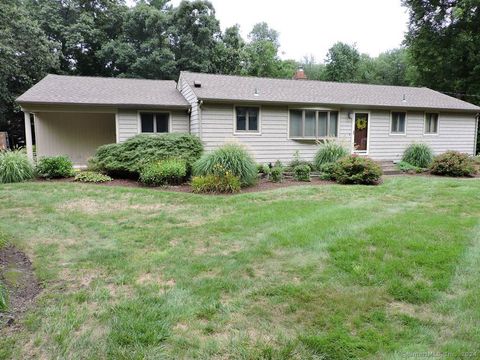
(313, 124)
(398, 122)
(431, 123)
(247, 119)
(154, 122)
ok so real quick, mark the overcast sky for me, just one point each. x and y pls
(311, 27)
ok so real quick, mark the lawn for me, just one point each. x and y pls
(329, 271)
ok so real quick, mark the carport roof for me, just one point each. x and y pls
(83, 90)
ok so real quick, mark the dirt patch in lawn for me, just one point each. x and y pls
(17, 275)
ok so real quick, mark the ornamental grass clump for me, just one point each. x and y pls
(419, 155)
(329, 152)
(15, 166)
(233, 158)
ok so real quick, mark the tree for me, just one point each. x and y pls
(313, 70)
(194, 33)
(262, 32)
(229, 52)
(342, 62)
(23, 62)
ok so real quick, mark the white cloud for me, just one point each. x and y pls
(312, 27)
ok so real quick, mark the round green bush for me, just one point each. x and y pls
(232, 158)
(54, 167)
(453, 163)
(15, 166)
(277, 173)
(171, 171)
(418, 154)
(301, 172)
(228, 183)
(329, 152)
(354, 169)
(127, 159)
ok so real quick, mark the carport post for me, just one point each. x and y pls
(28, 135)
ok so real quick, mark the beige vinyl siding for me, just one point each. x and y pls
(272, 143)
(77, 135)
(128, 122)
(190, 96)
(455, 132)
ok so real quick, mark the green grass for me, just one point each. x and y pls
(333, 272)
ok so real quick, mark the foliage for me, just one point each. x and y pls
(301, 173)
(409, 168)
(354, 169)
(131, 156)
(277, 173)
(92, 177)
(15, 166)
(342, 63)
(418, 154)
(444, 42)
(170, 171)
(453, 163)
(327, 171)
(228, 183)
(328, 152)
(298, 161)
(53, 167)
(233, 158)
(3, 298)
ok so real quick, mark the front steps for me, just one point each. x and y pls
(389, 168)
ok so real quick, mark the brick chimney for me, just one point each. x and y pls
(300, 74)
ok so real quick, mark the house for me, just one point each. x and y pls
(274, 118)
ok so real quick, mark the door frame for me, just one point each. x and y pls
(362, 152)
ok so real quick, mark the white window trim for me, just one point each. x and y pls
(404, 133)
(425, 123)
(361, 152)
(139, 119)
(317, 110)
(247, 132)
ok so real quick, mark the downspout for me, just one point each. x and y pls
(200, 103)
(477, 119)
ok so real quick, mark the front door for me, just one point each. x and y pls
(360, 132)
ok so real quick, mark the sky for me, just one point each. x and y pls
(311, 27)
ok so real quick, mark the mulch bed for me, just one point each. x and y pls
(25, 287)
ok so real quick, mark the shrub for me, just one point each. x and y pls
(453, 163)
(327, 171)
(233, 158)
(419, 155)
(15, 166)
(171, 171)
(216, 184)
(301, 173)
(276, 173)
(329, 152)
(128, 158)
(298, 161)
(54, 167)
(408, 168)
(354, 169)
(92, 177)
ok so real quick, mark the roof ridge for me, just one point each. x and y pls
(305, 80)
(107, 77)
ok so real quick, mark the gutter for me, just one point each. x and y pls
(477, 120)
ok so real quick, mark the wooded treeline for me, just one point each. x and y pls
(156, 40)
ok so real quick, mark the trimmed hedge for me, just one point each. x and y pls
(171, 171)
(127, 159)
(92, 177)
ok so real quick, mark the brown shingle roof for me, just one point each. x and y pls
(80, 90)
(243, 88)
